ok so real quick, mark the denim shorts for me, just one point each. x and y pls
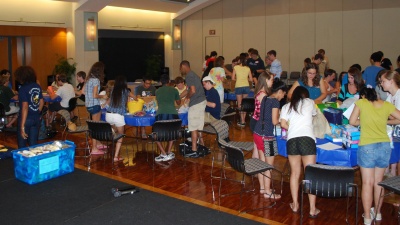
(374, 155)
(242, 90)
(93, 109)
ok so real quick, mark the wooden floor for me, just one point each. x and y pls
(189, 180)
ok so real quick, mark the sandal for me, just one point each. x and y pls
(97, 153)
(272, 195)
(292, 208)
(262, 191)
(118, 159)
(317, 211)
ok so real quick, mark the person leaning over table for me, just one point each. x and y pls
(30, 104)
(116, 108)
(6, 94)
(311, 80)
(296, 117)
(166, 97)
(213, 105)
(374, 150)
(181, 87)
(197, 106)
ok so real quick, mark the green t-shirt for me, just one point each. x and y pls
(166, 97)
(373, 121)
(5, 96)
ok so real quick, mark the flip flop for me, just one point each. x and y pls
(97, 153)
(118, 159)
(262, 191)
(272, 195)
(317, 211)
(291, 207)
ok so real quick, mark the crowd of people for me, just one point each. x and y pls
(374, 91)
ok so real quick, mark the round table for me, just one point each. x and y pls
(149, 119)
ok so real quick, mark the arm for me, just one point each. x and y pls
(250, 76)
(211, 104)
(275, 116)
(323, 92)
(354, 120)
(52, 94)
(284, 124)
(289, 95)
(234, 75)
(192, 90)
(396, 115)
(24, 114)
(183, 94)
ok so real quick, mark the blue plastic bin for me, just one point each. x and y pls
(33, 170)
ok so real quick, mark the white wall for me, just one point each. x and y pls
(349, 31)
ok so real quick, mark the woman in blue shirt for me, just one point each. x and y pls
(312, 82)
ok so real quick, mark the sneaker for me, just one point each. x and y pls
(171, 155)
(368, 221)
(241, 124)
(378, 216)
(193, 154)
(162, 158)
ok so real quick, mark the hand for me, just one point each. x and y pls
(23, 134)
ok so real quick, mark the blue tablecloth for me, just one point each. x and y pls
(231, 96)
(339, 157)
(149, 119)
(46, 98)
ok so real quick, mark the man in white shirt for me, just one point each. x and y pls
(276, 66)
(65, 91)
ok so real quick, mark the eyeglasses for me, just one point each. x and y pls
(147, 83)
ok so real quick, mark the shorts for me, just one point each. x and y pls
(93, 109)
(374, 155)
(55, 107)
(196, 116)
(301, 146)
(242, 90)
(13, 109)
(259, 142)
(115, 119)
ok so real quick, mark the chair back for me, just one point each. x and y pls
(222, 129)
(328, 181)
(224, 109)
(100, 130)
(235, 158)
(2, 110)
(72, 104)
(294, 75)
(284, 75)
(167, 130)
(248, 105)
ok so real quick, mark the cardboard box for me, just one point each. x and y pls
(33, 170)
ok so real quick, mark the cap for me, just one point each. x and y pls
(208, 78)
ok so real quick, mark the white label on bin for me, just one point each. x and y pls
(49, 164)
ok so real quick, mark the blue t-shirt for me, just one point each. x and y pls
(314, 92)
(267, 104)
(369, 75)
(255, 65)
(31, 93)
(213, 96)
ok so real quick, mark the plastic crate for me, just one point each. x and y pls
(33, 170)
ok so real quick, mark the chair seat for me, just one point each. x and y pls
(117, 136)
(209, 130)
(244, 145)
(254, 166)
(391, 184)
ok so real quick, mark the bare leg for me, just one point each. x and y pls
(368, 180)
(161, 148)
(243, 114)
(194, 139)
(393, 168)
(169, 146)
(260, 155)
(379, 172)
(120, 130)
(267, 181)
(295, 171)
(11, 120)
(307, 160)
(95, 117)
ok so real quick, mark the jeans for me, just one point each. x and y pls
(32, 126)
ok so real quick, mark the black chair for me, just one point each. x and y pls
(102, 131)
(293, 77)
(248, 105)
(284, 76)
(3, 119)
(330, 182)
(247, 167)
(164, 131)
(391, 184)
(86, 149)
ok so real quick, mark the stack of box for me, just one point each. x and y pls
(351, 136)
(336, 133)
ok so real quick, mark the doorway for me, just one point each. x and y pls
(12, 55)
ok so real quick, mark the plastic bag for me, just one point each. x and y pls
(320, 125)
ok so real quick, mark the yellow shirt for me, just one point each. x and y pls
(373, 121)
(242, 74)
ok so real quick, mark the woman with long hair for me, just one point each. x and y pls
(354, 85)
(116, 108)
(296, 117)
(374, 150)
(242, 75)
(92, 97)
(264, 128)
(311, 80)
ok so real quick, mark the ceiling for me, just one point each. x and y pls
(172, 6)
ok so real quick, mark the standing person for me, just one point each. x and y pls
(197, 105)
(296, 118)
(213, 105)
(116, 108)
(242, 75)
(374, 148)
(269, 117)
(262, 89)
(352, 88)
(329, 76)
(79, 91)
(325, 61)
(319, 61)
(204, 67)
(312, 82)
(210, 63)
(30, 104)
(218, 75)
(390, 82)
(370, 73)
(6, 94)
(92, 101)
(276, 66)
(382, 94)
(256, 65)
(166, 97)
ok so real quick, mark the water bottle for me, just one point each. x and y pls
(283, 133)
